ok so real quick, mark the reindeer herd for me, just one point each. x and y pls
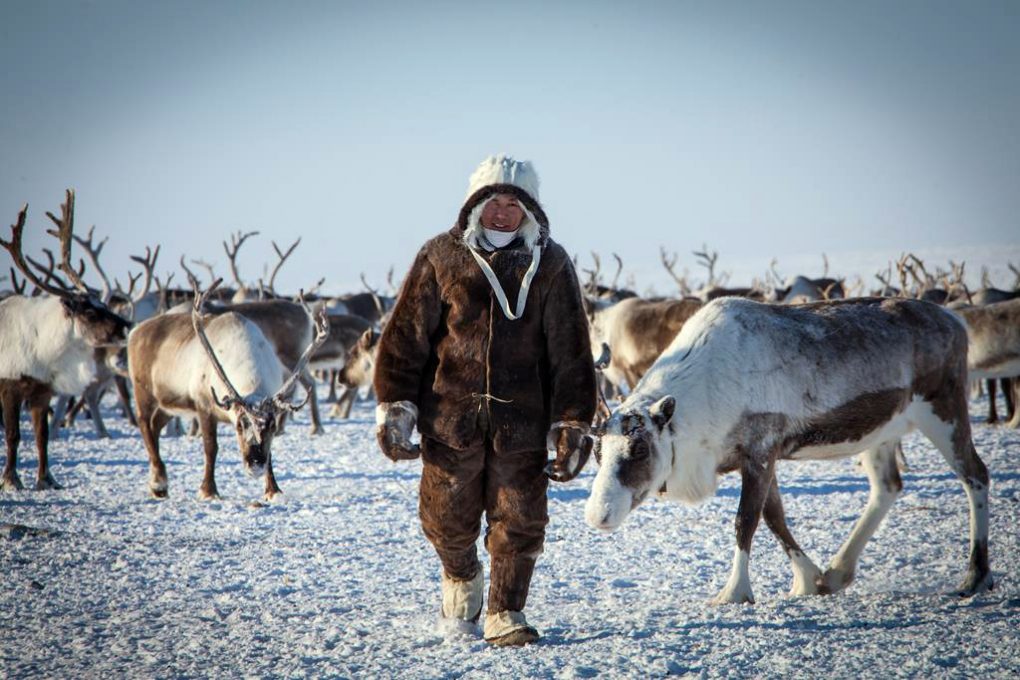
(713, 380)
(212, 356)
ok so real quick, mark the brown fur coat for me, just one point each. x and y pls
(449, 349)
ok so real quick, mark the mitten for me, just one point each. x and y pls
(572, 444)
(395, 422)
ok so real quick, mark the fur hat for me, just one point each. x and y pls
(503, 169)
(502, 174)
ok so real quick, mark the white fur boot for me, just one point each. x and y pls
(462, 604)
(509, 629)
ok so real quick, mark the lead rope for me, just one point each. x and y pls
(522, 296)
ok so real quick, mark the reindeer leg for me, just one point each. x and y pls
(954, 442)
(74, 408)
(805, 572)
(880, 465)
(208, 490)
(151, 422)
(756, 480)
(10, 398)
(332, 373)
(272, 490)
(59, 411)
(93, 395)
(993, 417)
(1011, 388)
(125, 398)
(308, 382)
(39, 406)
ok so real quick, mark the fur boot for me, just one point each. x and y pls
(462, 605)
(509, 629)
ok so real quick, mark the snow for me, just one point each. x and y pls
(336, 579)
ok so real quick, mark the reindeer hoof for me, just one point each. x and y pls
(317, 431)
(159, 493)
(802, 588)
(833, 581)
(732, 598)
(207, 495)
(11, 482)
(975, 584)
(47, 483)
(271, 496)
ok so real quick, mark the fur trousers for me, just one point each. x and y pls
(458, 486)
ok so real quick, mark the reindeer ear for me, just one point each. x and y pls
(365, 341)
(662, 411)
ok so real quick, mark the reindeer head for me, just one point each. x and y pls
(359, 368)
(94, 321)
(255, 423)
(634, 452)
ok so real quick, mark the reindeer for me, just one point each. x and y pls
(745, 385)
(358, 371)
(636, 331)
(47, 344)
(344, 332)
(176, 368)
(993, 332)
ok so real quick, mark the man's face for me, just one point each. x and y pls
(502, 213)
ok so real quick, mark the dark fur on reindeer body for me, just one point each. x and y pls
(745, 385)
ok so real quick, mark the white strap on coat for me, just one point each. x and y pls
(522, 296)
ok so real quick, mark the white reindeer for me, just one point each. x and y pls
(180, 364)
(47, 345)
(745, 385)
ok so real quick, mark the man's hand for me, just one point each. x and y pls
(573, 445)
(395, 422)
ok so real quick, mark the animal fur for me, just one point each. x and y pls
(745, 385)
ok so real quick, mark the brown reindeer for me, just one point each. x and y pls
(181, 363)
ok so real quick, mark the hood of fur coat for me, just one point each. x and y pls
(503, 175)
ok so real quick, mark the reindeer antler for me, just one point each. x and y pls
(236, 241)
(192, 279)
(199, 325)
(593, 274)
(375, 296)
(64, 232)
(149, 265)
(669, 263)
(619, 270)
(708, 261)
(93, 253)
(283, 257)
(14, 247)
(162, 289)
(321, 321)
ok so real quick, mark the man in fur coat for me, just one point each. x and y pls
(487, 351)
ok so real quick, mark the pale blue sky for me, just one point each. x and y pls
(763, 129)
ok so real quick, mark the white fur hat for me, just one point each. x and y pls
(503, 169)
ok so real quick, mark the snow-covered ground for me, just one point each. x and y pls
(336, 580)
